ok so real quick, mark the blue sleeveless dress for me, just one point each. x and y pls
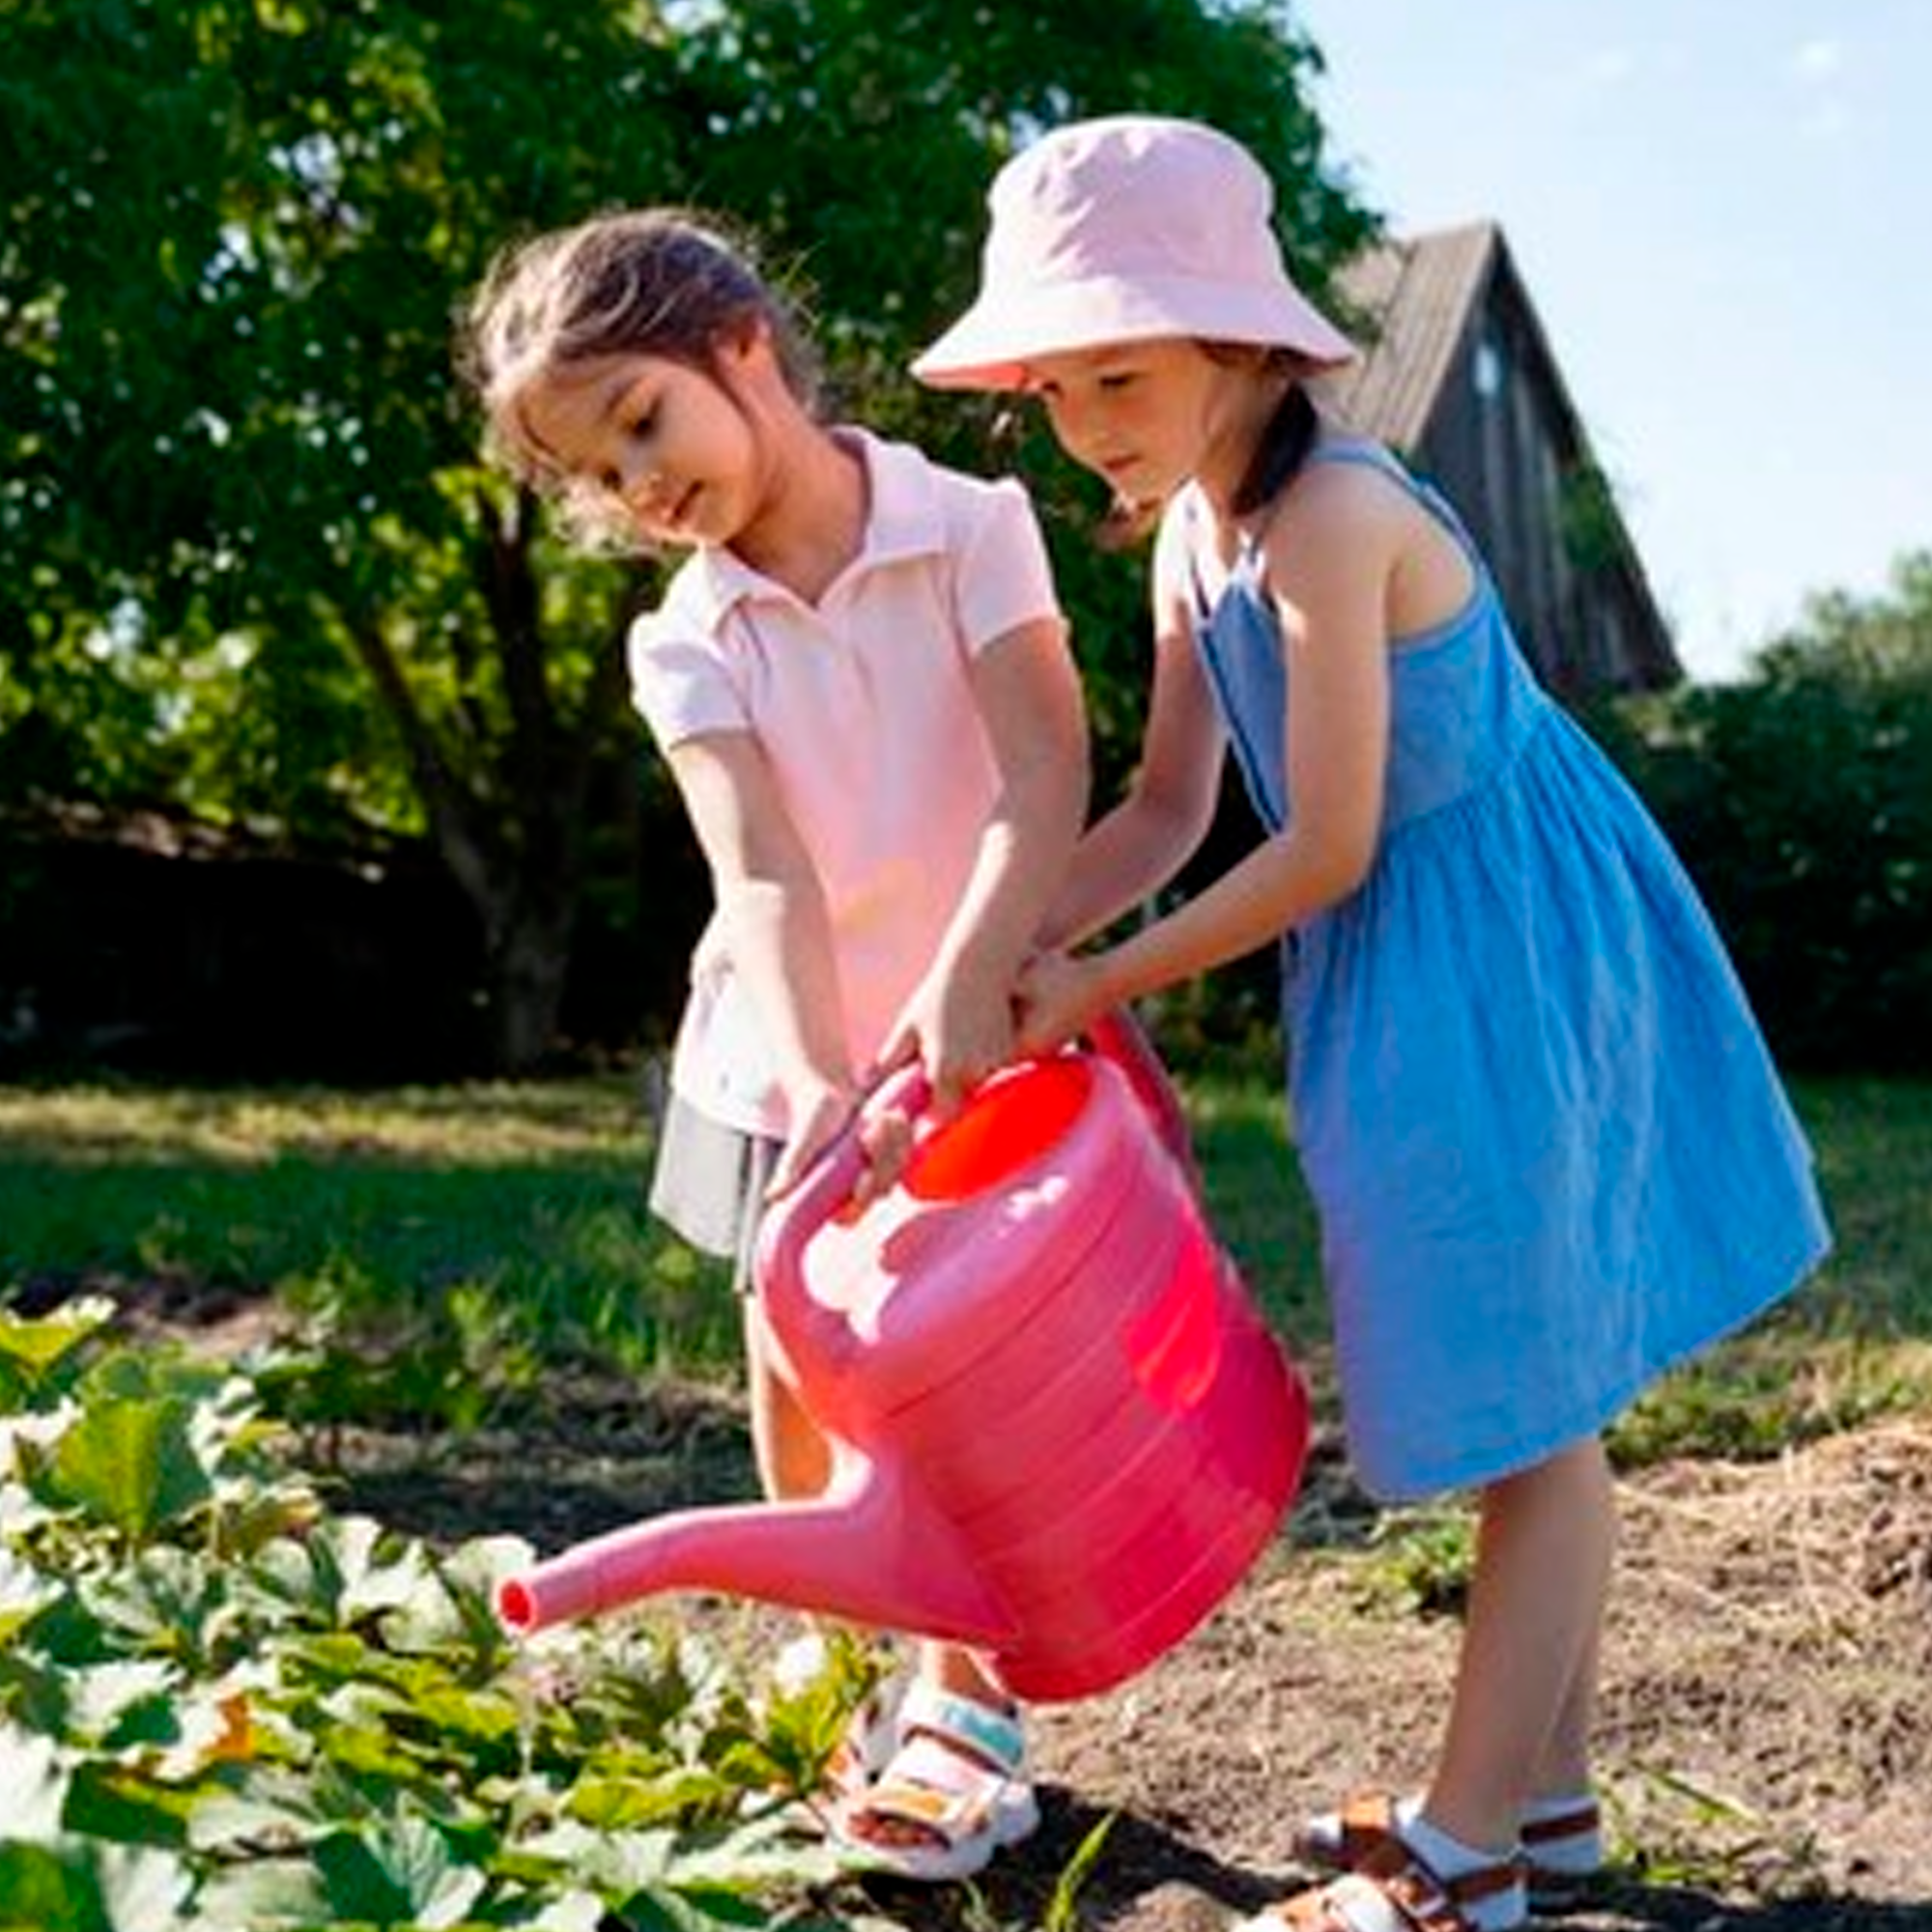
(1549, 1150)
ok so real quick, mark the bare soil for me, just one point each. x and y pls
(1765, 1737)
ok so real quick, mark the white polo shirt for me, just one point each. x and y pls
(863, 705)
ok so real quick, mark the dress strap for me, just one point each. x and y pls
(1369, 454)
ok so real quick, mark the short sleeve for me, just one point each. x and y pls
(678, 678)
(1004, 577)
(1174, 577)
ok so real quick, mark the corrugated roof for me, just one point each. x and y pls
(1417, 295)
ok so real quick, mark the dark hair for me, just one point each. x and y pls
(656, 281)
(1279, 453)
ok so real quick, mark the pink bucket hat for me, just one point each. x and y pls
(1126, 229)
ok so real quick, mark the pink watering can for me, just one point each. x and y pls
(1062, 1431)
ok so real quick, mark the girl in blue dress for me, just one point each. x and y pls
(1551, 1154)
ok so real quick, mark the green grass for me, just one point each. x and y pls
(476, 1233)
(485, 1226)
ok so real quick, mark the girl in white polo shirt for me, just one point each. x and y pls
(861, 680)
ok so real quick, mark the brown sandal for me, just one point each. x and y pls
(1562, 1852)
(1389, 1891)
(1340, 1840)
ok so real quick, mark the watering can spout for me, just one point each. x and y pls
(864, 1551)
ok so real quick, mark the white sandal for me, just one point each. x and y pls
(870, 1739)
(958, 1779)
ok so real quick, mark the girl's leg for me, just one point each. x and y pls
(794, 1457)
(1525, 1682)
(1564, 1770)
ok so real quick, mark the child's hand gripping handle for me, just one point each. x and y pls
(829, 1185)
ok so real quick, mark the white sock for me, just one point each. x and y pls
(1450, 1859)
(1573, 1852)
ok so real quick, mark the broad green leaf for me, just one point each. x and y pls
(33, 1785)
(762, 1851)
(164, 1373)
(400, 1868)
(115, 1804)
(25, 1593)
(36, 1344)
(43, 1890)
(275, 1807)
(617, 1804)
(132, 1464)
(363, 1569)
(460, 1615)
(167, 1600)
(264, 1894)
(121, 1703)
(465, 1717)
(572, 1912)
(703, 1910)
(141, 1890)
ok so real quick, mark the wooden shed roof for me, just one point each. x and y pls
(1419, 295)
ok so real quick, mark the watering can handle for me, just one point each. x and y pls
(1117, 1036)
(827, 1183)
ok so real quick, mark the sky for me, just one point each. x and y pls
(1722, 212)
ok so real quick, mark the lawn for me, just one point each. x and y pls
(476, 1233)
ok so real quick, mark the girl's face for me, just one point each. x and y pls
(1146, 416)
(667, 443)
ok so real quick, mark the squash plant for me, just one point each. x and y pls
(222, 1705)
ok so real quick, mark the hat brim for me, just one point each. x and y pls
(991, 345)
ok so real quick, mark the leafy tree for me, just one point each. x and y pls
(249, 562)
(1802, 799)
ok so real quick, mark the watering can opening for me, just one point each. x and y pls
(517, 1604)
(1010, 1121)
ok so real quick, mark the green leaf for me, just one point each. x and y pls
(25, 1593)
(363, 1569)
(45, 1891)
(132, 1464)
(140, 1889)
(700, 1910)
(33, 1786)
(120, 1703)
(268, 1809)
(35, 1345)
(400, 1868)
(114, 1803)
(627, 1802)
(571, 1912)
(263, 1893)
(167, 1600)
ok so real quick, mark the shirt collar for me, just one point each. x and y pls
(903, 520)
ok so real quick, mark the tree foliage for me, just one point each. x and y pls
(1801, 797)
(249, 562)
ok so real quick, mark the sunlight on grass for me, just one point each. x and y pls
(458, 1125)
(503, 1224)
(467, 1233)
